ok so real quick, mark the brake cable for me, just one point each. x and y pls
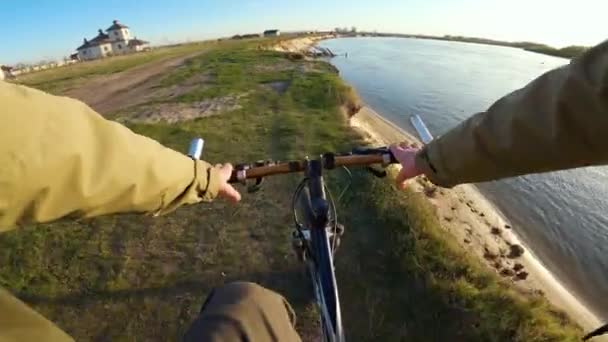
(350, 182)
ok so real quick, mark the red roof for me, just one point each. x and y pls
(116, 26)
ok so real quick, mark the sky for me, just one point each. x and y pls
(44, 29)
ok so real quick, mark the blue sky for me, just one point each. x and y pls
(36, 30)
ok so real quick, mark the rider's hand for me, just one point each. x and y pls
(406, 155)
(227, 191)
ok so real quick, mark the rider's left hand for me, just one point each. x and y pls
(226, 190)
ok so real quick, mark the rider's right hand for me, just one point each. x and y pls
(406, 155)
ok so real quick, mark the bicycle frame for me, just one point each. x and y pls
(318, 216)
(321, 264)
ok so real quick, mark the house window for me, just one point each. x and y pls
(105, 48)
(119, 46)
(84, 52)
(115, 33)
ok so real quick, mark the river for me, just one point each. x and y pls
(562, 216)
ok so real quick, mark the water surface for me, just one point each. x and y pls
(563, 215)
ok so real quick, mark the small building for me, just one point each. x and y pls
(138, 45)
(272, 33)
(116, 40)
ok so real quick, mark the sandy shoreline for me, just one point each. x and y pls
(302, 45)
(482, 230)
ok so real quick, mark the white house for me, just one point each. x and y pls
(116, 41)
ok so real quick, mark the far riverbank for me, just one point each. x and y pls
(569, 52)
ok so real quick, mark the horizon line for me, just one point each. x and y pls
(404, 35)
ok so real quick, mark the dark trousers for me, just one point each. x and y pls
(244, 311)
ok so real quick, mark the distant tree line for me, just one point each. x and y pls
(566, 52)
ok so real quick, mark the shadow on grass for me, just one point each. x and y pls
(147, 306)
(293, 285)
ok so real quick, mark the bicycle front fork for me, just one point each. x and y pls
(299, 242)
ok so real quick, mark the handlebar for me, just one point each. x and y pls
(357, 157)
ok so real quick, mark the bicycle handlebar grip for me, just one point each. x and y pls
(378, 150)
(233, 177)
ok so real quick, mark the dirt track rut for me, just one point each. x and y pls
(108, 93)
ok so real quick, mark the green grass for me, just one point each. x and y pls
(133, 277)
(230, 71)
(425, 287)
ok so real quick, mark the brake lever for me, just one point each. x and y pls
(255, 187)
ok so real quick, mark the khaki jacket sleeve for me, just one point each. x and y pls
(20, 323)
(558, 121)
(58, 157)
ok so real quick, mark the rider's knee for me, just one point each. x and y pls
(243, 289)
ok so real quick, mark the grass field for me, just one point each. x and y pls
(59, 79)
(134, 277)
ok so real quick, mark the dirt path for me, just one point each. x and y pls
(108, 93)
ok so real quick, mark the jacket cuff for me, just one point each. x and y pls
(209, 176)
(428, 161)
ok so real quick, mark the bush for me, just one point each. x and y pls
(350, 100)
